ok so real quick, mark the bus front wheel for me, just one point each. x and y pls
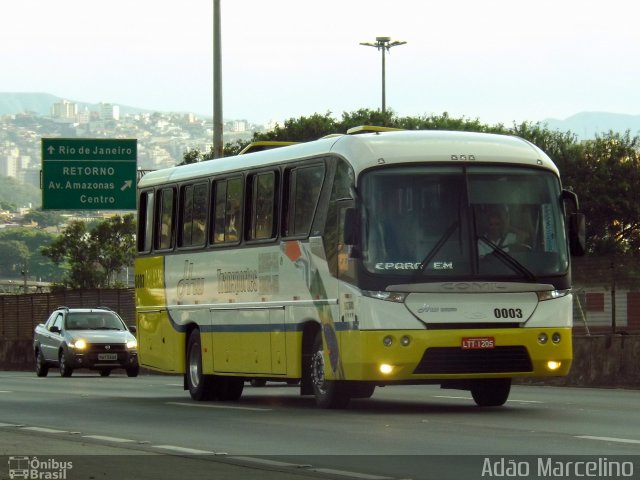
(329, 394)
(491, 392)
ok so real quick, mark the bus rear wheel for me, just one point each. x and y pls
(201, 387)
(491, 392)
(328, 393)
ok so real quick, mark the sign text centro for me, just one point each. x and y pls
(89, 174)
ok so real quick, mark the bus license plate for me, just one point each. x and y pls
(478, 343)
(107, 356)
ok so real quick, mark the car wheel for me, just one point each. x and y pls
(201, 386)
(41, 364)
(133, 371)
(105, 372)
(329, 394)
(65, 369)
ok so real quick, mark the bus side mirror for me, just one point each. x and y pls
(576, 224)
(577, 234)
(350, 227)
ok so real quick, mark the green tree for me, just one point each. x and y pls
(113, 242)
(44, 218)
(609, 182)
(73, 250)
(39, 267)
(95, 255)
(14, 256)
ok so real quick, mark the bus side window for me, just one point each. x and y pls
(145, 222)
(304, 187)
(165, 219)
(226, 221)
(193, 214)
(263, 202)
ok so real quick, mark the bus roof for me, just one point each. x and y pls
(367, 150)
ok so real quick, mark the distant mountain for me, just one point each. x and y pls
(41, 103)
(587, 124)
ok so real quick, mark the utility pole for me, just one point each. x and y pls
(217, 83)
(383, 44)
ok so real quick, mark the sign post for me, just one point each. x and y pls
(89, 174)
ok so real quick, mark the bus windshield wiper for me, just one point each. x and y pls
(508, 260)
(436, 248)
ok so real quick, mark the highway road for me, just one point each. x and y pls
(412, 432)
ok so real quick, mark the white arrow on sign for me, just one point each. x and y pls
(127, 184)
(51, 150)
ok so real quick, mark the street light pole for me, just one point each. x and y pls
(217, 83)
(383, 44)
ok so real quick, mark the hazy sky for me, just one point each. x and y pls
(496, 60)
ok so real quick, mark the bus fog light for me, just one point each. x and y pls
(555, 338)
(387, 341)
(386, 369)
(543, 338)
(553, 365)
(405, 341)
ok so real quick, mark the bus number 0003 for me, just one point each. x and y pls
(507, 312)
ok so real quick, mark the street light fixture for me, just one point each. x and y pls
(383, 44)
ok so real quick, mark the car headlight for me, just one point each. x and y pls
(131, 344)
(79, 344)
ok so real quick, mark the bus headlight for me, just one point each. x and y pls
(555, 338)
(385, 368)
(387, 341)
(553, 365)
(543, 338)
(397, 297)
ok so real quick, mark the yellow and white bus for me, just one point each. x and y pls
(356, 261)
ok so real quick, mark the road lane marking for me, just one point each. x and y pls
(344, 473)
(227, 407)
(271, 463)
(193, 451)
(109, 439)
(10, 425)
(44, 430)
(609, 439)
(452, 397)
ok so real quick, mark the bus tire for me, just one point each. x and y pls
(201, 387)
(362, 389)
(230, 388)
(491, 392)
(328, 393)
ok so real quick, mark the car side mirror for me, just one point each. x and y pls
(55, 329)
(133, 329)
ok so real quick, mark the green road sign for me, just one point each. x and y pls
(89, 174)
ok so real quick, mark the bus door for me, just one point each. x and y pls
(278, 352)
(346, 266)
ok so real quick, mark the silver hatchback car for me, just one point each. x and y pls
(93, 338)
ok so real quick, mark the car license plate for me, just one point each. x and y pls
(478, 343)
(107, 356)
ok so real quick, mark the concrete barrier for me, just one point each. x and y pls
(598, 361)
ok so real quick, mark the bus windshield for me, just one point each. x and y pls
(463, 222)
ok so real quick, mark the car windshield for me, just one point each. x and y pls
(463, 222)
(93, 321)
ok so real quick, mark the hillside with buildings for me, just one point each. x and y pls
(162, 137)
